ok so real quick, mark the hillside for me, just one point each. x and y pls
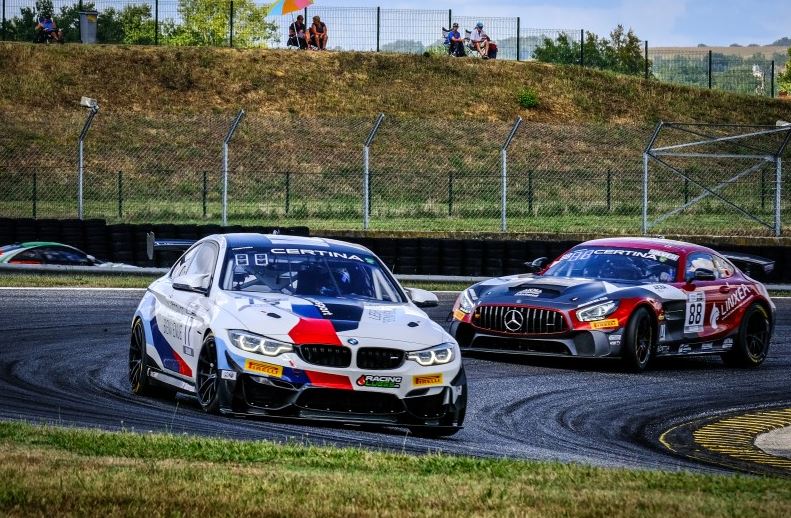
(149, 79)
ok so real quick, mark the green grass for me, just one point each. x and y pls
(46, 470)
(54, 280)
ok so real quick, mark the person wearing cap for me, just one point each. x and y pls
(455, 41)
(318, 34)
(479, 40)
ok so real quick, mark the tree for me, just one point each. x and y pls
(784, 79)
(207, 22)
(621, 53)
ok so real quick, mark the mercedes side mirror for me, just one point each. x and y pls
(197, 282)
(701, 274)
(536, 265)
(422, 298)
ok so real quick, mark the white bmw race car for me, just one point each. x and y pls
(299, 328)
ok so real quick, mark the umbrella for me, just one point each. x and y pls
(282, 7)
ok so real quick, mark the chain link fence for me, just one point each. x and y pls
(432, 175)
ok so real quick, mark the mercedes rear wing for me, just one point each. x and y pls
(166, 245)
(749, 263)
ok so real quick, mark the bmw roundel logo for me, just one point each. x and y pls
(352, 341)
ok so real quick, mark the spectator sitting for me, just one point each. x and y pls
(297, 36)
(47, 28)
(480, 41)
(318, 34)
(455, 42)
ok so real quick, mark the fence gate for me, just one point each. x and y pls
(701, 176)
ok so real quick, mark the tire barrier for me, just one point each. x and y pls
(408, 256)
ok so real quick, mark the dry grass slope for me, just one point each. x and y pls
(146, 79)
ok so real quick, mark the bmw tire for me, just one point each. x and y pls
(207, 380)
(138, 366)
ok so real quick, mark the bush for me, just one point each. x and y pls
(528, 98)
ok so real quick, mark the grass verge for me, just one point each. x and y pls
(82, 472)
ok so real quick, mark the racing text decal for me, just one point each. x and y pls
(268, 369)
(387, 382)
(427, 380)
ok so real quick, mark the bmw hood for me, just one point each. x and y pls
(334, 321)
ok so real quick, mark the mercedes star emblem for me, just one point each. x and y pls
(513, 320)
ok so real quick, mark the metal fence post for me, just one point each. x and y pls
(778, 200)
(2, 27)
(378, 26)
(230, 26)
(503, 190)
(120, 195)
(646, 61)
(156, 22)
(710, 69)
(773, 79)
(450, 19)
(450, 193)
(288, 191)
(205, 193)
(518, 36)
(235, 124)
(530, 192)
(367, 171)
(582, 47)
(645, 194)
(35, 194)
(94, 109)
(504, 174)
(609, 190)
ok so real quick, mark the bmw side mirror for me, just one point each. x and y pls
(197, 282)
(536, 265)
(701, 274)
(422, 298)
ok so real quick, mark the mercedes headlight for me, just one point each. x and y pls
(467, 300)
(259, 344)
(596, 312)
(437, 355)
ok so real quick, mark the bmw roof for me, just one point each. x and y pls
(279, 240)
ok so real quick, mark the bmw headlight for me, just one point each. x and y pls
(437, 355)
(467, 300)
(596, 312)
(259, 344)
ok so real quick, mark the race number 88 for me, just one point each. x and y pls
(696, 307)
(695, 314)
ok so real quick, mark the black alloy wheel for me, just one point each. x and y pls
(752, 342)
(138, 366)
(639, 340)
(207, 381)
(137, 370)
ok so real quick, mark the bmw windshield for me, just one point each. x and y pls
(616, 264)
(308, 272)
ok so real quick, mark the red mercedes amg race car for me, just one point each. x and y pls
(633, 298)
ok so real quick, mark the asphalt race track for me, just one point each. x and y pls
(63, 356)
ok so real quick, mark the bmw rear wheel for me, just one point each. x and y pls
(752, 343)
(138, 365)
(207, 381)
(639, 340)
